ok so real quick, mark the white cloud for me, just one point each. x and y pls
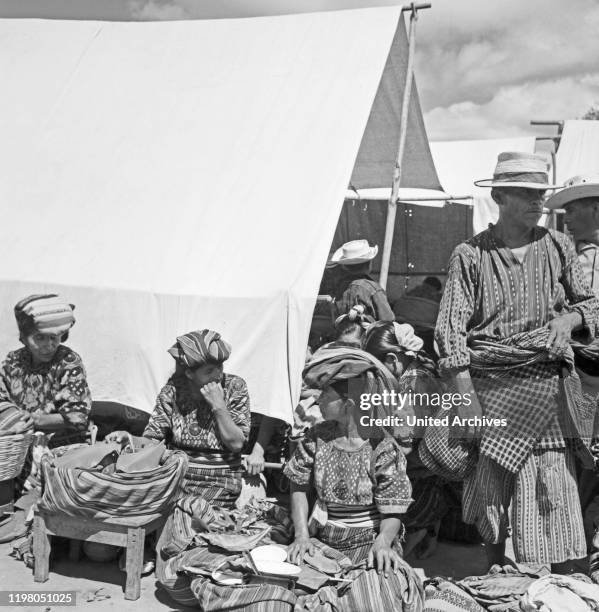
(466, 50)
(510, 110)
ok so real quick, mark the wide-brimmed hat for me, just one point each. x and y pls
(354, 252)
(576, 188)
(516, 169)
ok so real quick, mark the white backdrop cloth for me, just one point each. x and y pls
(460, 163)
(170, 176)
(578, 152)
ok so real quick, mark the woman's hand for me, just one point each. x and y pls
(214, 394)
(385, 557)
(254, 462)
(118, 437)
(298, 548)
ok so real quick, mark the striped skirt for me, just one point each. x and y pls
(200, 591)
(202, 488)
(369, 590)
(546, 520)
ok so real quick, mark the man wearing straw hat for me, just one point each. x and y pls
(355, 285)
(580, 200)
(514, 295)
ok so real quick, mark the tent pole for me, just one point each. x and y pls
(403, 128)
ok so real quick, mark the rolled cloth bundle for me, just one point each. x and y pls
(197, 348)
(374, 382)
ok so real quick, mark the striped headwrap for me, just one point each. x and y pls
(196, 348)
(44, 313)
(331, 365)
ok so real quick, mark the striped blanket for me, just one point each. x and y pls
(91, 493)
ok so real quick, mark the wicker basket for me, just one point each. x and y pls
(13, 451)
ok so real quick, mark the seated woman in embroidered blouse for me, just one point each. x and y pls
(205, 413)
(359, 473)
(43, 384)
(400, 349)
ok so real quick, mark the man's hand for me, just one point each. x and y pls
(254, 463)
(560, 334)
(214, 394)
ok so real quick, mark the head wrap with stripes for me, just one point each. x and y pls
(44, 313)
(197, 348)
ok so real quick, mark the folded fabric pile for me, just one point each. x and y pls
(444, 596)
(100, 482)
(501, 589)
(554, 593)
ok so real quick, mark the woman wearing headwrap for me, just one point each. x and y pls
(359, 473)
(400, 349)
(206, 413)
(43, 387)
(349, 329)
(43, 384)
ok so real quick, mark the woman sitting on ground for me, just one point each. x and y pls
(43, 384)
(400, 350)
(206, 413)
(359, 473)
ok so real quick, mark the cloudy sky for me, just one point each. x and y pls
(484, 69)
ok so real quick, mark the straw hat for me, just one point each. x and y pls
(354, 252)
(516, 169)
(576, 188)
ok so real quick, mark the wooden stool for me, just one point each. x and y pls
(129, 533)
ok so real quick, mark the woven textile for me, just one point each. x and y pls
(499, 590)
(201, 488)
(445, 596)
(199, 347)
(48, 314)
(514, 381)
(79, 492)
(185, 421)
(546, 519)
(57, 387)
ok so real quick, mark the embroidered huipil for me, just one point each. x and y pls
(56, 387)
(352, 485)
(186, 423)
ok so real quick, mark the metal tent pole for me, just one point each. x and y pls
(403, 127)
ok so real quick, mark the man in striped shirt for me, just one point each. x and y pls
(580, 199)
(514, 295)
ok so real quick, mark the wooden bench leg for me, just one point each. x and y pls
(41, 550)
(134, 561)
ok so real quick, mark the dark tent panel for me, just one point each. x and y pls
(424, 237)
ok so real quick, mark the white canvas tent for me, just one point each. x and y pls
(171, 176)
(578, 151)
